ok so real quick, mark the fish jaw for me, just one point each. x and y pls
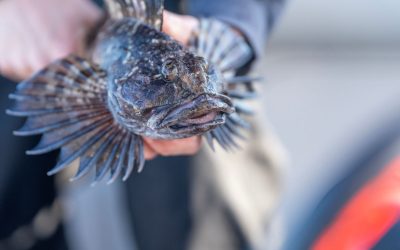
(190, 118)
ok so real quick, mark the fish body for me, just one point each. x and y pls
(156, 86)
(137, 81)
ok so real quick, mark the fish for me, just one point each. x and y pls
(136, 81)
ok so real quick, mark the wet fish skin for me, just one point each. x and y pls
(149, 73)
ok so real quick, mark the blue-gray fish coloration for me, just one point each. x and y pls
(136, 81)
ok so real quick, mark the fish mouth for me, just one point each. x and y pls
(199, 114)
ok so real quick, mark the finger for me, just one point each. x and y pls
(53, 43)
(23, 72)
(179, 27)
(37, 60)
(93, 13)
(62, 50)
(166, 22)
(149, 153)
(20, 61)
(8, 72)
(11, 53)
(188, 146)
(15, 69)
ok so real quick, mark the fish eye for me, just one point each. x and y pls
(169, 70)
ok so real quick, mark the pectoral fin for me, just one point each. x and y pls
(67, 103)
(228, 51)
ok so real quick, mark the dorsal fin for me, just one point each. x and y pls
(148, 11)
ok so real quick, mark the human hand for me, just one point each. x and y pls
(180, 28)
(35, 33)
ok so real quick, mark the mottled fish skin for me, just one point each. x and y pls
(136, 81)
(149, 75)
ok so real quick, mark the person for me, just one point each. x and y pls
(159, 201)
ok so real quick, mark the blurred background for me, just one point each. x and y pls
(333, 71)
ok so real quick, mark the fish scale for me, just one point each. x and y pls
(137, 82)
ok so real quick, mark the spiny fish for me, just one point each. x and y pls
(136, 81)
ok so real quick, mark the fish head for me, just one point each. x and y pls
(173, 94)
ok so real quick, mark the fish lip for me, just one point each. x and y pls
(217, 103)
(200, 128)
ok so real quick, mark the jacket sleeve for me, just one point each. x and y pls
(254, 18)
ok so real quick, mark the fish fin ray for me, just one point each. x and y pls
(108, 159)
(67, 159)
(148, 11)
(131, 157)
(220, 44)
(117, 169)
(139, 151)
(210, 140)
(66, 103)
(92, 157)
